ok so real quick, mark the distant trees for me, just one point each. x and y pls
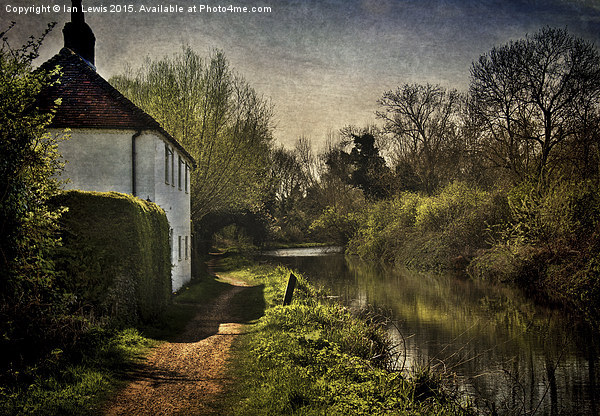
(533, 97)
(531, 113)
(217, 116)
(333, 188)
(289, 180)
(369, 170)
(531, 116)
(423, 124)
(362, 167)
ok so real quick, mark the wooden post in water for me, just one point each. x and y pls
(289, 291)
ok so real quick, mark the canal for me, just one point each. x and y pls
(502, 348)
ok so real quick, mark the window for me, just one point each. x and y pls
(179, 171)
(172, 168)
(167, 162)
(187, 247)
(187, 170)
(179, 248)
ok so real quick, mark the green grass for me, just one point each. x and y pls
(76, 383)
(316, 358)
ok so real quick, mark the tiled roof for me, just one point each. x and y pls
(89, 101)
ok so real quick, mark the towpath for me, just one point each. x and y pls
(188, 375)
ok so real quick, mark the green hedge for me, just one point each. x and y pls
(115, 256)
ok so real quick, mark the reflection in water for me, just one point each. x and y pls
(502, 347)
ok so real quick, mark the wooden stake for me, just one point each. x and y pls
(289, 291)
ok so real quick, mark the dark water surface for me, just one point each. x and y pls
(525, 358)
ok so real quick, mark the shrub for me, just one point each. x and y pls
(551, 245)
(558, 218)
(385, 225)
(335, 226)
(431, 231)
(116, 255)
(33, 311)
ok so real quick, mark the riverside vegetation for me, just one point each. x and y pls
(324, 359)
(548, 244)
(501, 182)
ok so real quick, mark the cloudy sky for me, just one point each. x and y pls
(323, 64)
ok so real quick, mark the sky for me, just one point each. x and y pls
(322, 64)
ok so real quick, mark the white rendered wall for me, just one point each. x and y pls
(176, 203)
(100, 160)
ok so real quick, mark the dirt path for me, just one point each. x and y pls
(185, 377)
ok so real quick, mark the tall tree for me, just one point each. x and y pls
(533, 96)
(308, 161)
(334, 171)
(423, 122)
(362, 167)
(217, 116)
(370, 172)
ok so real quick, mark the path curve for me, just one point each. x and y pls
(187, 375)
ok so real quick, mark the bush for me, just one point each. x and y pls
(559, 218)
(551, 246)
(431, 231)
(335, 226)
(33, 311)
(116, 255)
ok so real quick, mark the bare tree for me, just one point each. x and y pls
(532, 96)
(288, 179)
(423, 122)
(306, 157)
(333, 189)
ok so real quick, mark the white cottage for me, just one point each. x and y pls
(115, 146)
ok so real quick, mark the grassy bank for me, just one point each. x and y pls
(77, 381)
(314, 357)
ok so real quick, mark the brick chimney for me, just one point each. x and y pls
(78, 35)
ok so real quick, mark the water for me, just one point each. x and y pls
(525, 358)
